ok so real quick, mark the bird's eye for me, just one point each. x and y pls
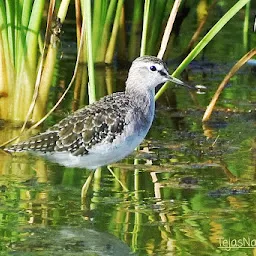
(153, 68)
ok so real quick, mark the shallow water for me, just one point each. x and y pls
(191, 187)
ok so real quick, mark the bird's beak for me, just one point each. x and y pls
(198, 88)
(177, 81)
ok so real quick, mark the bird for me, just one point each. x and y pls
(107, 130)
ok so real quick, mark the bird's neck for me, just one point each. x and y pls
(142, 99)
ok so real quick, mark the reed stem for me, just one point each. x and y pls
(145, 28)
(91, 84)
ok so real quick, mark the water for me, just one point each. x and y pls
(191, 192)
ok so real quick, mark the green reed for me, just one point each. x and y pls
(206, 39)
(106, 20)
(20, 28)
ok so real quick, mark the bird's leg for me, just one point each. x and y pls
(85, 188)
(119, 181)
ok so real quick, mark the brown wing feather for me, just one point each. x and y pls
(77, 133)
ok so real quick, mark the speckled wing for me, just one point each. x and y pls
(99, 122)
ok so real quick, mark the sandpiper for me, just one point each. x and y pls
(107, 130)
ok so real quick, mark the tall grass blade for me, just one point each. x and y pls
(111, 46)
(4, 38)
(33, 32)
(207, 38)
(10, 15)
(69, 86)
(63, 10)
(88, 21)
(157, 18)
(78, 21)
(168, 29)
(221, 87)
(97, 25)
(21, 32)
(4, 92)
(40, 98)
(27, 74)
(246, 25)
(45, 82)
(135, 30)
(100, 57)
(145, 28)
(122, 50)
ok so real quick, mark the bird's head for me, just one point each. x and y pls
(149, 72)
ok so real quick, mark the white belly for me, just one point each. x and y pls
(99, 155)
